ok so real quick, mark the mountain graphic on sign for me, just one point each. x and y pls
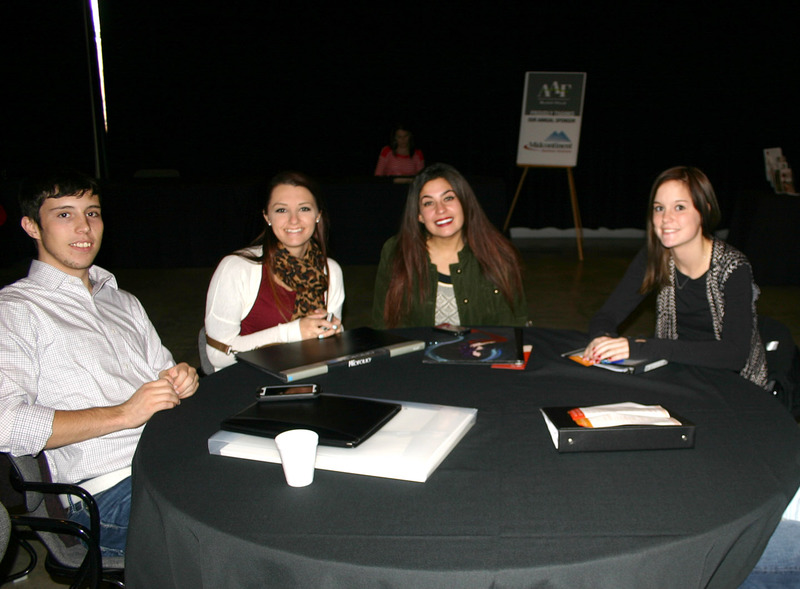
(558, 136)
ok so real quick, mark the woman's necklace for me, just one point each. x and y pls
(678, 285)
(706, 255)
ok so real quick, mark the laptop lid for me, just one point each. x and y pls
(339, 421)
(306, 358)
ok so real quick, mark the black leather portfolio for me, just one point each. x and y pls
(339, 420)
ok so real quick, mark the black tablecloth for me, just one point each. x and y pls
(503, 510)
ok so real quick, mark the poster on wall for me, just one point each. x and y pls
(550, 128)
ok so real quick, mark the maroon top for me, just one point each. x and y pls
(265, 313)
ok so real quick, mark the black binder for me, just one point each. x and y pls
(570, 437)
(339, 421)
(627, 366)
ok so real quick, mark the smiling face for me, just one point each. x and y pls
(293, 214)
(69, 233)
(676, 221)
(440, 210)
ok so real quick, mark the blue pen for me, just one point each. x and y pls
(611, 361)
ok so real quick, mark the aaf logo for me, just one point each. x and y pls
(554, 90)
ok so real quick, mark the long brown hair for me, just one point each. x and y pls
(499, 260)
(270, 244)
(704, 200)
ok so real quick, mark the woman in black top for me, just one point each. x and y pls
(706, 297)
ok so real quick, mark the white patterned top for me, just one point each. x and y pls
(64, 348)
(446, 306)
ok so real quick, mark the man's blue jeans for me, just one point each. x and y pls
(115, 511)
(779, 566)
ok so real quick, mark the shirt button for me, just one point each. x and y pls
(466, 301)
(497, 291)
(458, 271)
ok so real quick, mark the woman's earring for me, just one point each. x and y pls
(317, 219)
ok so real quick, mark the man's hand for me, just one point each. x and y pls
(183, 377)
(174, 384)
(150, 398)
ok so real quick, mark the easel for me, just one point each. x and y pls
(576, 213)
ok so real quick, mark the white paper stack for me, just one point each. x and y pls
(409, 447)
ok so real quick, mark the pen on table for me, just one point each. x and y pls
(611, 361)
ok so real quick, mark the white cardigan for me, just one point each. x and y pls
(232, 294)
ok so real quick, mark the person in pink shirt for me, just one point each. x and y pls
(400, 157)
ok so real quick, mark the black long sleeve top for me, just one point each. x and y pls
(696, 343)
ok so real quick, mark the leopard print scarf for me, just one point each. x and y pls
(305, 276)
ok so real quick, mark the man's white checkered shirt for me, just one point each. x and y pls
(62, 347)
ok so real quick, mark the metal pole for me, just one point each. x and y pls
(95, 95)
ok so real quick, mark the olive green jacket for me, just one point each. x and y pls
(479, 301)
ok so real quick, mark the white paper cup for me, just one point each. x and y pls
(298, 450)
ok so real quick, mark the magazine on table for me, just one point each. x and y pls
(478, 346)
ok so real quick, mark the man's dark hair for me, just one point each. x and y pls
(53, 184)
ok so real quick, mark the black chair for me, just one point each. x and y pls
(73, 551)
(10, 541)
(5, 530)
(783, 363)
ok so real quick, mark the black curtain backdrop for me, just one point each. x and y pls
(243, 88)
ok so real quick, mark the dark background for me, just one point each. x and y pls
(223, 91)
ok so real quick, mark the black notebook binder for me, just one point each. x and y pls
(311, 357)
(627, 366)
(339, 421)
(570, 437)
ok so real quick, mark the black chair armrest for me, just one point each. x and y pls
(64, 489)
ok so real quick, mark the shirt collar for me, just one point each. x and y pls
(52, 278)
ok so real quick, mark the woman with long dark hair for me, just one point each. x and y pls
(282, 287)
(448, 263)
(706, 297)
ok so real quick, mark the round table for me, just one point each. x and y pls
(504, 509)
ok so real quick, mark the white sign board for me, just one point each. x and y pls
(550, 128)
